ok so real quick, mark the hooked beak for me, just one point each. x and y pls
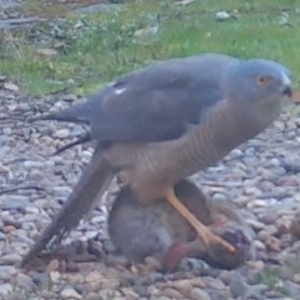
(287, 86)
(287, 91)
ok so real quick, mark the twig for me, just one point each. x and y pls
(26, 187)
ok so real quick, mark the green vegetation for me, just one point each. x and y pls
(92, 49)
(272, 278)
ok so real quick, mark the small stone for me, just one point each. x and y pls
(7, 131)
(197, 282)
(284, 224)
(25, 281)
(256, 225)
(271, 242)
(33, 164)
(219, 197)
(225, 276)
(61, 191)
(171, 293)
(11, 86)
(10, 259)
(8, 229)
(54, 276)
(295, 225)
(198, 294)
(184, 286)
(48, 53)
(255, 292)
(214, 283)
(297, 278)
(257, 204)
(62, 133)
(6, 272)
(238, 286)
(108, 294)
(94, 276)
(130, 294)
(222, 16)
(152, 264)
(259, 245)
(253, 277)
(5, 289)
(258, 265)
(15, 202)
(48, 295)
(14, 296)
(5, 169)
(92, 296)
(52, 266)
(69, 293)
(292, 289)
(288, 181)
(23, 107)
(75, 278)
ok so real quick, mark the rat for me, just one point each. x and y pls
(138, 230)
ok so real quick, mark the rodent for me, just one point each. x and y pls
(139, 230)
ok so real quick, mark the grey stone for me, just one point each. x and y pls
(5, 289)
(238, 286)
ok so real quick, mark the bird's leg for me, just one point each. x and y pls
(204, 232)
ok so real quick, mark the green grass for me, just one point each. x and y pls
(96, 48)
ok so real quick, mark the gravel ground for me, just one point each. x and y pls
(261, 177)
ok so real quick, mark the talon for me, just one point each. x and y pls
(208, 237)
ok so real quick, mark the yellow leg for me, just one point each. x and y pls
(204, 232)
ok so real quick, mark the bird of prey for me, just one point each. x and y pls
(165, 122)
(158, 230)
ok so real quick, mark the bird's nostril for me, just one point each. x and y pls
(287, 91)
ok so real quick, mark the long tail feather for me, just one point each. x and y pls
(91, 186)
(81, 140)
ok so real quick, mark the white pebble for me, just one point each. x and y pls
(33, 164)
(5, 289)
(70, 293)
(222, 16)
(62, 133)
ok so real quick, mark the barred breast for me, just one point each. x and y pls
(224, 128)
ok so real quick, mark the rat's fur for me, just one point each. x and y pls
(158, 230)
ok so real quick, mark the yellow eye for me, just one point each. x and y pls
(262, 80)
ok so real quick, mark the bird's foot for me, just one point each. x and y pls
(203, 231)
(209, 237)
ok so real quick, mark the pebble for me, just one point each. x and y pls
(7, 272)
(29, 164)
(222, 16)
(5, 289)
(69, 293)
(198, 294)
(238, 286)
(25, 282)
(10, 259)
(14, 202)
(62, 133)
(171, 293)
(184, 286)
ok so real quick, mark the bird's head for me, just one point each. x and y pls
(258, 86)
